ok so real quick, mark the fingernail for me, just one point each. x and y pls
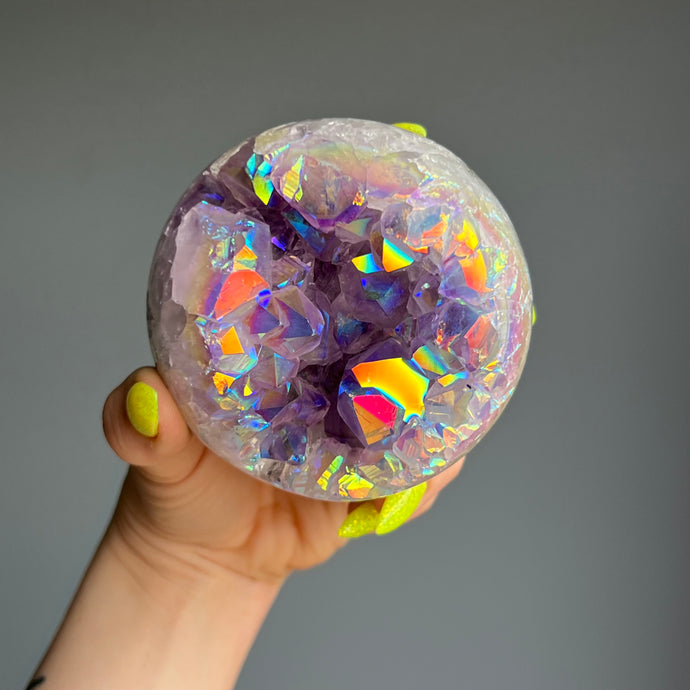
(142, 409)
(362, 520)
(398, 508)
(412, 127)
(534, 315)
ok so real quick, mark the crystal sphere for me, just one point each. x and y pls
(340, 307)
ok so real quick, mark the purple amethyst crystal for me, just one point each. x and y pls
(340, 308)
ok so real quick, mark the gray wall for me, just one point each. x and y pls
(560, 557)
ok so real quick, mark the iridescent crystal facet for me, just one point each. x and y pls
(340, 307)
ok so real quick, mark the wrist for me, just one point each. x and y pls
(146, 615)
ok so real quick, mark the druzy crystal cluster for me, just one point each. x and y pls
(340, 307)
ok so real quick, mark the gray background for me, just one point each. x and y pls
(560, 558)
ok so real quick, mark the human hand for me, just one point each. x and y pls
(195, 554)
(186, 507)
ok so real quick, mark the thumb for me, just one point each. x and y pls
(144, 426)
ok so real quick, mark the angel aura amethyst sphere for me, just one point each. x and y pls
(340, 307)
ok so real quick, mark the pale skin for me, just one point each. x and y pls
(190, 564)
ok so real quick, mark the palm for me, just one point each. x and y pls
(236, 520)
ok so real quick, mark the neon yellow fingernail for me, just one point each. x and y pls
(412, 127)
(142, 409)
(534, 315)
(398, 508)
(362, 520)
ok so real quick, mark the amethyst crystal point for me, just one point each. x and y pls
(340, 307)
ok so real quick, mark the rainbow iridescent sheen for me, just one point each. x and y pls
(340, 308)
